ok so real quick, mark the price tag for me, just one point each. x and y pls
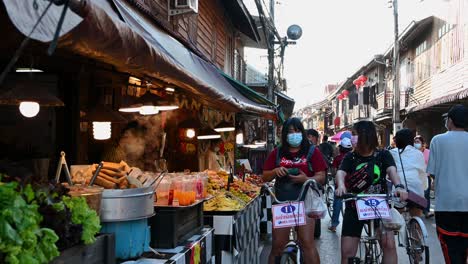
(288, 214)
(372, 208)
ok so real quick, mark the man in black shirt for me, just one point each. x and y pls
(326, 149)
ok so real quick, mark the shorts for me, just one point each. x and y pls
(352, 226)
(452, 230)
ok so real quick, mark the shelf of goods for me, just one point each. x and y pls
(235, 216)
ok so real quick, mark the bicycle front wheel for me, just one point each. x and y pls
(416, 248)
(329, 198)
(291, 256)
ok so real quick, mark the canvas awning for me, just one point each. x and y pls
(126, 39)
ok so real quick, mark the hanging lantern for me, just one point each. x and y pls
(101, 117)
(102, 130)
(340, 97)
(345, 93)
(363, 79)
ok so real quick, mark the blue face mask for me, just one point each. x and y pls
(294, 139)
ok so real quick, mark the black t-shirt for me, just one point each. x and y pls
(382, 160)
(327, 150)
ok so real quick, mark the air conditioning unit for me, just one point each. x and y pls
(179, 7)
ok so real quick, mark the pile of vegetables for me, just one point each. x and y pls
(36, 221)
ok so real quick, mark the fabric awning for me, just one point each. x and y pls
(126, 39)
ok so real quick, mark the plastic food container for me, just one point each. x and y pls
(162, 192)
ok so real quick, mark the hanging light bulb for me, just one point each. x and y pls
(102, 130)
(29, 109)
(240, 139)
(190, 133)
(148, 110)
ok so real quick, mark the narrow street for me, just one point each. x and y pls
(329, 245)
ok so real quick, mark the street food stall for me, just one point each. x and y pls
(113, 158)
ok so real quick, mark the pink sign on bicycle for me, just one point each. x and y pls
(288, 214)
(372, 208)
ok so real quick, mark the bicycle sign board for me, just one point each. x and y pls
(288, 214)
(372, 208)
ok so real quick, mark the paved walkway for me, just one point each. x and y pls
(329, 245)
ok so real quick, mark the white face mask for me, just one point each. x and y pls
(216, 149)
(418, 145)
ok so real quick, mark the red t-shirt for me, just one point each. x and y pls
(317, 161)
(338, 159)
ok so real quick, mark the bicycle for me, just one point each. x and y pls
(415, 237)
(292, 252)
(329, 194)
(369, 243)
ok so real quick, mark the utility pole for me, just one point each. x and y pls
(271, 133)
(396, 72)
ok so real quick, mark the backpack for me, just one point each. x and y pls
(364, 175)
(309, 155)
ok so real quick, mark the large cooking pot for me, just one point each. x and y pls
(127, 204)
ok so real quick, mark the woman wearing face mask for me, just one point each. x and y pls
(292, 153)
(371, 165)
(420, 144)
(410, 166)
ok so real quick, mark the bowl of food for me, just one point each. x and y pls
(92, 194)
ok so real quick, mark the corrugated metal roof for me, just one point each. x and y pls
(441, 100)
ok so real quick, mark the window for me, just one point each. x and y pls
(444, 29)
(421, 48)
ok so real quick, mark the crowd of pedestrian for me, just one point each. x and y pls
(407, 166)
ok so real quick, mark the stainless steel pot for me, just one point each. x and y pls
(127, 204)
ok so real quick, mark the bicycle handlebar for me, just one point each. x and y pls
(350, 196)
(309, 183)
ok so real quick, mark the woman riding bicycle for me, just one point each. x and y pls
(363, 171)
(292, 154)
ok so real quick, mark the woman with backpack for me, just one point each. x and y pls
(295, 152)
(363, 171)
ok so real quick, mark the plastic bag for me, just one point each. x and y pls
(395, 222)
(314, 205)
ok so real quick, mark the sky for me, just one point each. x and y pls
(339, 36)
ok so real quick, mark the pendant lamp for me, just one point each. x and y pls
(224, 127)
(148, 104)
(29, 93)
(208, 133)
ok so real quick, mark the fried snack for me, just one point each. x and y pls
(105, 183)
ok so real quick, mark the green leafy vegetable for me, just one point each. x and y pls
(82, 214)
(22, 240)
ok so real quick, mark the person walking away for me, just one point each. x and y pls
(344, 147)
(420, 144)
(369, 165)
(448, 163)
(326, 149)
(410, 167)
(294, 153)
